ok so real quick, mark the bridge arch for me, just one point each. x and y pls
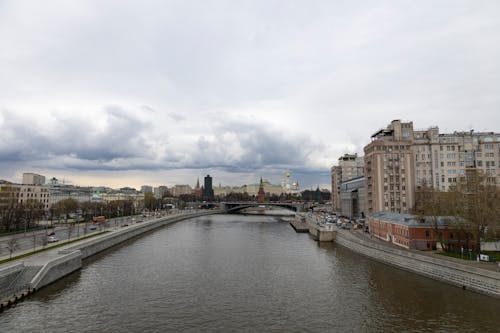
(235, 207)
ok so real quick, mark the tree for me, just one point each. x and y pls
(66, 206)
(12, 245)
(480, 203)
(430, 204)
(70, 229)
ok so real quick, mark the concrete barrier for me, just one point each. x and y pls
(9, 274)
(464, 276)
(56, 269)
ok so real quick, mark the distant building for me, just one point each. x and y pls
(160, 191)
(349, 166)
(178, 190)
(208, 192)
(269, 189)
(261, 195)
(146, 189)
(9, 194)
(197, 191)
(33, 179)
(35, 193)
(63, 192)
(352, 198)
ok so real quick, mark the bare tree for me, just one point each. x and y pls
(429, 204)
(12, 245)
(44, 240)
(70, 229)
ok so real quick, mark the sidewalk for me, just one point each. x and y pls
(472, 263)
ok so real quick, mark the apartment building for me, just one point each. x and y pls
(389, 169)
(441, 159)
(400, 159)
(349, 166)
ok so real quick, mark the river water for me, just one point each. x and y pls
(228, 273)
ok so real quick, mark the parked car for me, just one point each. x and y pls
(52, 239)
(93, 227)
(50, 233)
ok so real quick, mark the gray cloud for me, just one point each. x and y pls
(254, 87)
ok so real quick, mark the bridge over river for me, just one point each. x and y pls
(235, 207)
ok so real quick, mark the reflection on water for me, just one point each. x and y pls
(245, 273)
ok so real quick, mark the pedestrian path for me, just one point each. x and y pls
(482, 264)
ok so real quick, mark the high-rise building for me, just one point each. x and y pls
(389, 169)
(349, 166)
(208, 192)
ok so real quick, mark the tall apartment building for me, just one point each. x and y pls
(349, 166)
(389, 169)
(399, 159)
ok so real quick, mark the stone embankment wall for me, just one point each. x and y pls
(464, 276)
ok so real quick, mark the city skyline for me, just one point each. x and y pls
(128, 94)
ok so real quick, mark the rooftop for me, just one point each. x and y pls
(411, 220)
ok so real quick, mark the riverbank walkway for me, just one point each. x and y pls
(366, 237)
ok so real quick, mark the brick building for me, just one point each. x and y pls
(409, 232)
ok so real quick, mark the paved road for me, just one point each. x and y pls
(31, 240)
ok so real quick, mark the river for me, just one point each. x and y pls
(227, 273)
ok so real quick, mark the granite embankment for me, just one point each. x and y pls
(466, 276)
(40, 270)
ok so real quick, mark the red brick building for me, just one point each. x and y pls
(408, 231)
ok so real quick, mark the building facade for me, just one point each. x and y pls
(208, 191)
(146, 189)
(63, 192)
(178, 190)
(352, 198)
(406, 231)
(389, 169)
(33, 179)
(442, 159)
(349, 166)
(400, 159)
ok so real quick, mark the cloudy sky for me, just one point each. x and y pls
(117, 93)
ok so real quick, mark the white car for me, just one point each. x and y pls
(52, 239)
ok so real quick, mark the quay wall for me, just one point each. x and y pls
(9, 274)
(464, 276)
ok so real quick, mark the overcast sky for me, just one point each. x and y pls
(125, 93)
